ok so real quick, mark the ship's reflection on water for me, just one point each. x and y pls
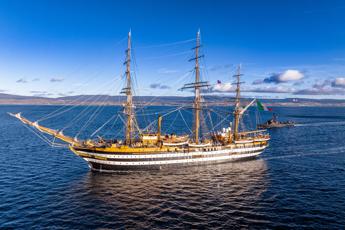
(213, 195)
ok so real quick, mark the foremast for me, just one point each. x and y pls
(197, 99)
(128, 106)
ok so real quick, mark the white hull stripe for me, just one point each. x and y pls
(169, 155)
(181, 161)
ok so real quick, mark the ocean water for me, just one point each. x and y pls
(298, 182)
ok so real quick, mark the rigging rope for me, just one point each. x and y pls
(56, 113)
(42, 137)
(168, 55)
(172, 123)
(221, 121)
(177, 109)
(81, 114)
(87, 81)
(168, 44)
(98, 109)
(182, 77)
(185, 122)
(100, 128)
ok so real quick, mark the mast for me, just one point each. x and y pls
(159, 128)
(197, 98)
(237, 112)
(196, 85)
(128, 91)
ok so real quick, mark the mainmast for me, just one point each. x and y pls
(196, 85)
(128, 92)
(237, 112)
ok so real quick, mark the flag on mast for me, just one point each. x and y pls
(262, 107)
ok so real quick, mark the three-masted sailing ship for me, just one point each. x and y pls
(156, 150)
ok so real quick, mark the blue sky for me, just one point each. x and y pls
(287, 48)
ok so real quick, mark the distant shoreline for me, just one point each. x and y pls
(214, 100)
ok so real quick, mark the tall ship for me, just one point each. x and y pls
(140, 149)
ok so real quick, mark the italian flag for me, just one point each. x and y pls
(262, 107)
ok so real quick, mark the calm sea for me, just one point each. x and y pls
(298, 182)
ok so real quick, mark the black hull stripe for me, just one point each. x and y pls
(97, 167)
(169, 158)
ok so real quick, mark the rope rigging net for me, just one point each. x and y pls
(87, 110)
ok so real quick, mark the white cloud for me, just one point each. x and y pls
(224, 87)
(339, 82)
(286, 76)
(228, 87)
(291, 75)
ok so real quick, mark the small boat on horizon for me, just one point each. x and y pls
(274, 123)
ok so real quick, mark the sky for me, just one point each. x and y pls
(285, 48)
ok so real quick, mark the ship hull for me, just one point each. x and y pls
(111, 162)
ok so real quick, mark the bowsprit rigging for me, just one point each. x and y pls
(150, 147)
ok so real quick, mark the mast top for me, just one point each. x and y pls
(197, 84)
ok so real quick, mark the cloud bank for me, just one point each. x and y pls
(286, 76)
(159, 86)
(22, 80)
(339, 82)
(327, 87)
(56, 79)
(270, 89)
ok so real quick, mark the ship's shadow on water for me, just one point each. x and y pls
(172, 197)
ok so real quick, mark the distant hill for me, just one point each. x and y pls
(9, 99)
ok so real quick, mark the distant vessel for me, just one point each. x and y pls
(274, 123)
(141, 149)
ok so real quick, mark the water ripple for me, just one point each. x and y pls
(299, 182)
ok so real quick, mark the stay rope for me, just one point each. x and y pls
(43, 138)
(185, 122)
(82, 102)
(101, 127)
(168, 44)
